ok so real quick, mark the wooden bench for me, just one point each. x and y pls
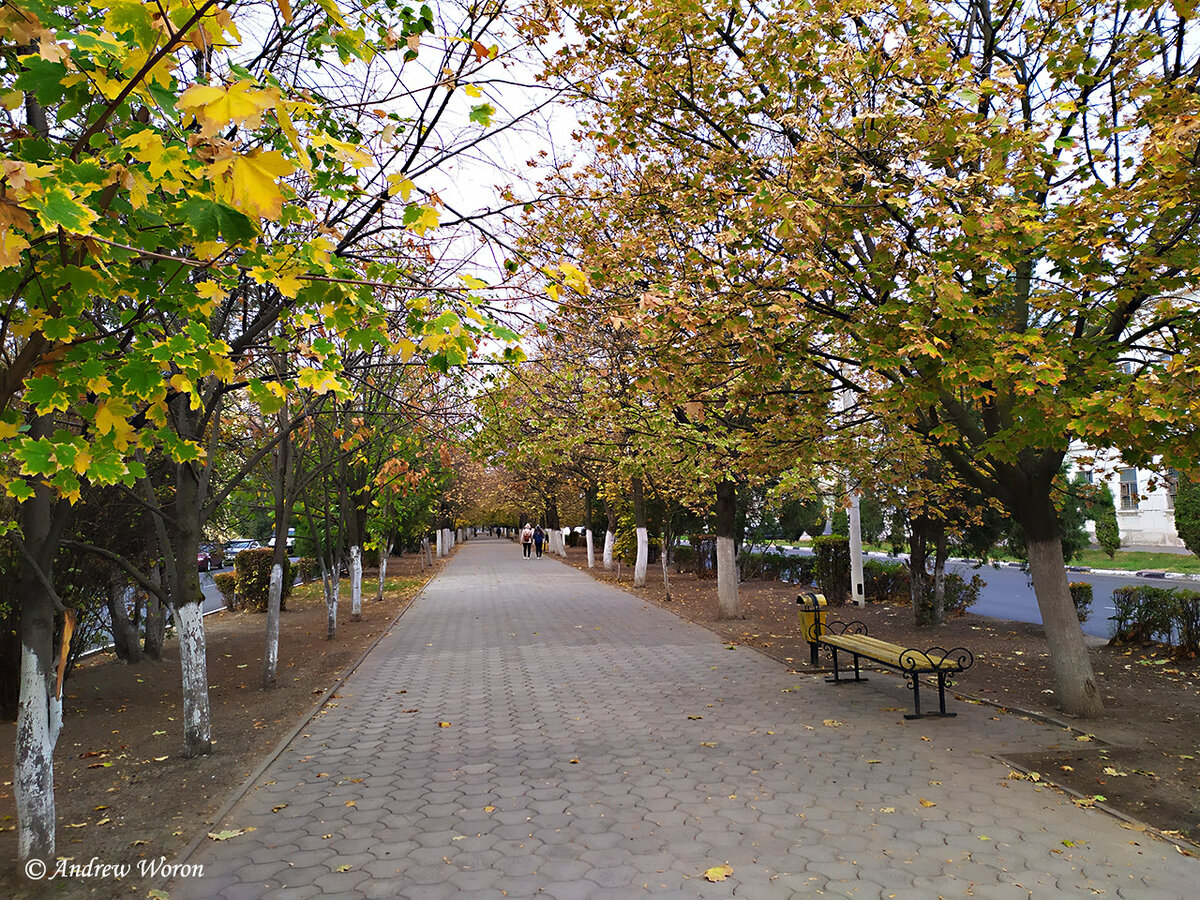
(852, 638)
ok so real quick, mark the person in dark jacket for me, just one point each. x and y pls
(539, 538)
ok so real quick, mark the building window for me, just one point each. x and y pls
(1129, 491)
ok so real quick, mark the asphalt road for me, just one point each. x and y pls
(1008, 593)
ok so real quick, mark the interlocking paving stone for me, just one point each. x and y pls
(574, 766)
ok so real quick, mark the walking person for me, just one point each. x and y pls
(539, 538)
(527, 540)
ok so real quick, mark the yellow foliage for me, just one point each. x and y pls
(214, 107)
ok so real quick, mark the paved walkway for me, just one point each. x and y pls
(524, 730)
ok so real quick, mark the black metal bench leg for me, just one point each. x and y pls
(915, 684)
(942, 694)
(835, 679)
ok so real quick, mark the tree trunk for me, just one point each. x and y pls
(728, 606)
(643, 537)
(440, 537)
(591, 549)
(124, 632)
(356, 583)
(186, 600)
(428, 550)
(39, 709)
(274, 604)
(937, 608)
(193, 661)
(1074, 679)
(283, 485)
(917, 560)
(384, 553)
(610, 535)
(155, 629)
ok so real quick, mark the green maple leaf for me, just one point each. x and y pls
(59, 208)
(482, 114)
(45, 393)
(36, 457)
(211, 220)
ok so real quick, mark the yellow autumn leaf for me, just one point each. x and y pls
(111, 416)
(319, 381)
(399, 184)
(926, 803)
(473, 283)
(250, 183)
(427, 220)
(404, 348)
(472, 91)
(11, 246)
(718, 873)
(575, 278)
(343, 150)
(216, 106)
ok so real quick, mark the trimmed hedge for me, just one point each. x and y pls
(779, 567)
(890, 582)
(1081, 596)
(253, 571)
(832, 552)
(1154, 615)
(226, 583)
(308, 568)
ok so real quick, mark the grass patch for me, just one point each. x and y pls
(1136, 560)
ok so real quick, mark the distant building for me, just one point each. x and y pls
(1145, 498)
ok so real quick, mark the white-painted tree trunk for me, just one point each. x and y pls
(193, 662)
(39, 718)
(356, 583)
(562, 543)
(333, 587)
(440, 538)
(384, 554)
(727, 579)
(610, 539)
(591, 549)
(274, 602)
(643, 557)
(428, 552)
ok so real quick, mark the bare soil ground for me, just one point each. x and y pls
(1141, 759)
(123, 790)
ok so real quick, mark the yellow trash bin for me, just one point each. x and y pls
(812, 619)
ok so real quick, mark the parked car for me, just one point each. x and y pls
(237, 545)
(210, 556)
(290, 544)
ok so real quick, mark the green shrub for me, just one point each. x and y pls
(253, 571)
(1081, 596)
(1143, 614)
(960, 594)
(1187, 620)
(886, 581)
(226, 583)
(832, 554)
(889, 582)
(778, 567)
(309, 570)
(1104, 513)
(685, 558)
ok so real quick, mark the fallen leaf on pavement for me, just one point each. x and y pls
(719, 873)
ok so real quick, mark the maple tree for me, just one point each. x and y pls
(982, 209)
(178, 201)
